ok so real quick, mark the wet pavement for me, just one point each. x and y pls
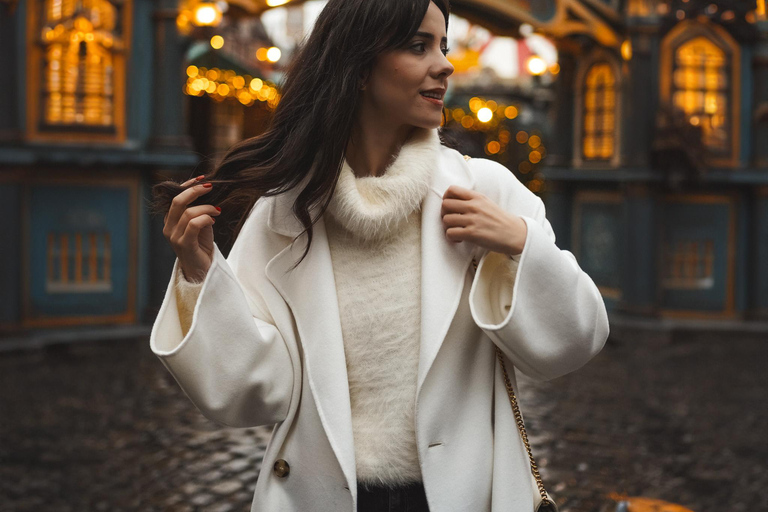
(103, 426)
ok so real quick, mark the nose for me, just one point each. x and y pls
(446, 68)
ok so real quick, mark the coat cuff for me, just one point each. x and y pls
(234, 366)
(543, 311)
(187, 293)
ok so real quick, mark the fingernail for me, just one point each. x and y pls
(217, 208)
(200, 177)
(207, 185)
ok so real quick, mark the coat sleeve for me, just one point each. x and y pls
(231, 361)
(539, 307)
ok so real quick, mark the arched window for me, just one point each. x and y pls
(77, 68)
(700, 76)
(700, 89)
(599, 119)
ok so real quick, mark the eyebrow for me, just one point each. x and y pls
(431, 37)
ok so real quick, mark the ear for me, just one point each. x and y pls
(363, 79)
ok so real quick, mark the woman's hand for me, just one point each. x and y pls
(190, 230)
(472, 216)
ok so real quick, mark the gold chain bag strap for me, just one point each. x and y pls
(546, 504)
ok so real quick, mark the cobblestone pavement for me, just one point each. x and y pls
(92, 427)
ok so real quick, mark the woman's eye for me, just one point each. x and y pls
(420, 48)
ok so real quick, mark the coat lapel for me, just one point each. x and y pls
(444, 263)
(310, 292)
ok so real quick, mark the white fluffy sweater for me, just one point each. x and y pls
(374, 234)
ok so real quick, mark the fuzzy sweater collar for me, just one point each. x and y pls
(374, 207)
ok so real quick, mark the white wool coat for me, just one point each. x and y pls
(265, 347)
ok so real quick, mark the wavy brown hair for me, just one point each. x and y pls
(308, 134)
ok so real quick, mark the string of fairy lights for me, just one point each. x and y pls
(221, 84)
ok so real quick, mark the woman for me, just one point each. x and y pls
(348, 312)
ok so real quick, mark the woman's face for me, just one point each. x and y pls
(398, 77)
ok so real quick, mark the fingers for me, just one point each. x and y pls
(192, 180)
(456, 234)
(457, 192)
(456, 220)
(193, 228)
(180, 202)
(178, 233)
(455, 206)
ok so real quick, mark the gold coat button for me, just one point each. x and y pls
(281, 468)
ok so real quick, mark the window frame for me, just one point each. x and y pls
(597, 56)
(35, 130)
(684, 32)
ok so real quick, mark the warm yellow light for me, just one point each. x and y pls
(275, 3)
(217, 42)
(484, 114)
(273, 54)
(475, 104)
(521, 137)
(207, 14)
(83, 24)
(467, 121)
(493, 147)
(222, 89)
(534, 141)
(554, 68)
(212, 74)
(534, 157)
(491, 105)
(626, 49)
(192, 71)
(256, 84)
(238, 82)
(458, 114)
(536, 65)
(182, 20)
(510, 112)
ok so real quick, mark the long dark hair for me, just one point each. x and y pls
(308, 135)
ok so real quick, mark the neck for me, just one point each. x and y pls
(374, 145)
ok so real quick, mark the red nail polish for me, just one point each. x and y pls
(207, 185)
(200, 177)
(217, 208)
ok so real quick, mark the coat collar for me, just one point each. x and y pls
(450, 169)
(310, 292)
(376, 207)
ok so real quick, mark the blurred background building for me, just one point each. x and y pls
(642, 123)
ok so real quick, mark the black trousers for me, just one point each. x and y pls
(407, 498)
